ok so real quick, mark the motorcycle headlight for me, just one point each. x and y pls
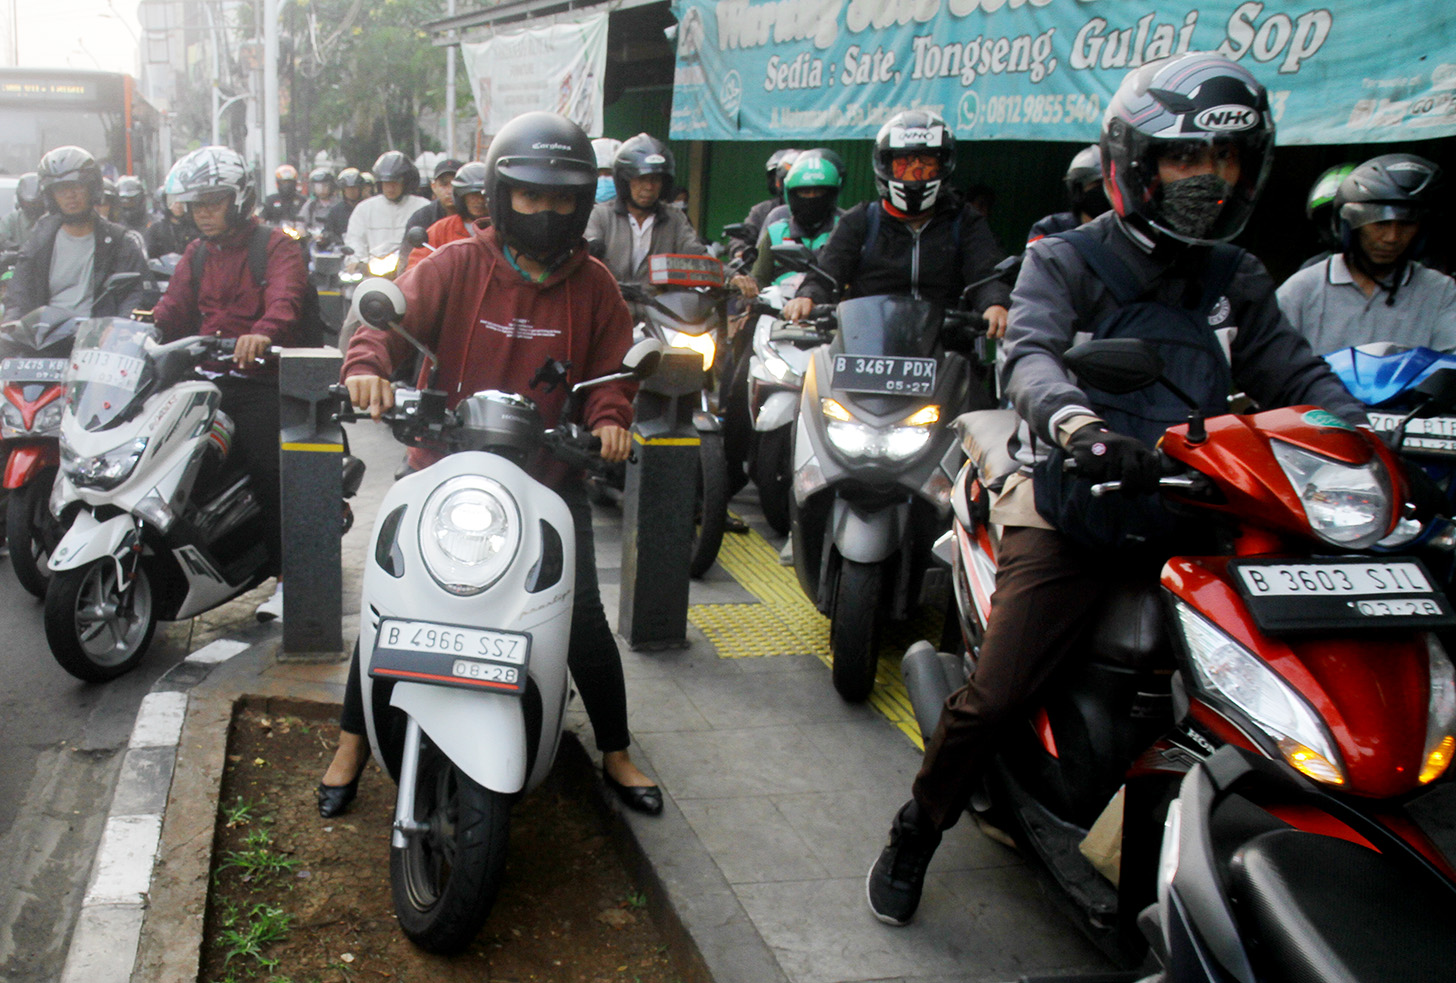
(104, 471)
(383, 265)
(470, 530)
(1346, 505)
(48, 420)
(11, 422)
(896, 443)
(703, 344)
(1440, 714)
(1224, 668)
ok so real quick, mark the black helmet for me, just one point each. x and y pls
(914, 131)
(468, 179)
(1085, 168)
(395, 166)
(1392, 186)
(130, 190)
(819, 168)
(350, 177)
(638, 157)
(777, 167)
(69, 164)
(27, 192)
(1319, 207)
(545, 151)
(324, 176)
(1198, 101)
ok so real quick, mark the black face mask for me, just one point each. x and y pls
(811, 213)
(1192, 206)
(543, 236)
(1091, 202)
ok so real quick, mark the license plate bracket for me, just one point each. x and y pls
(451, 655)
(885, 375)
(1291, 596)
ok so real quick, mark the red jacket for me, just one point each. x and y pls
(492, 329)
(229, 302)
(448, 229)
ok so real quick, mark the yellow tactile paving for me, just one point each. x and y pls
(785, 622)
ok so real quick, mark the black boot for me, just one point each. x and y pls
(895, 881)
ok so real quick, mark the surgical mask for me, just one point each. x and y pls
(606, 189)
(1192, 206)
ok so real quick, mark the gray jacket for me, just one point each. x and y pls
(1325, 305)
(1058, 300)
(671, 233)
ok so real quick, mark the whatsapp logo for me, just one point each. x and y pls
(969, 111)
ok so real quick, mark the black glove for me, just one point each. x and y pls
(1103, 455)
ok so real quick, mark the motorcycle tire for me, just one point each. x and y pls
(32, 532)
(445, 880)
(773, 473)
(854, 629)
(711, 506)
(87, 642)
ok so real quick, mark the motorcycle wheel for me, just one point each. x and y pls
(711, 503)
(32, 532)
(445, 880)
(97, 629)
(774, 475)
(854, 629)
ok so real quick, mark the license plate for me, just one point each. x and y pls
(451, 655)
(1434, 435)
(1337, 594)
(32, 369)
(886, 375)
(107, 369)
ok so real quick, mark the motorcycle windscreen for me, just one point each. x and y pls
(43, 328)
(693, 311)
(887, 325)
(109, 371)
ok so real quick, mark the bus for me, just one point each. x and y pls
(44, 108)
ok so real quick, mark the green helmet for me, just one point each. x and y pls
(1319, 208)
(818, 168)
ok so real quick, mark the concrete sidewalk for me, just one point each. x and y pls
(778, 796)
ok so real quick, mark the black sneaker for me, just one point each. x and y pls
(895, 881)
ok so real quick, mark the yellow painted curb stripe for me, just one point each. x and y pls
(667, 441)
(331, 448)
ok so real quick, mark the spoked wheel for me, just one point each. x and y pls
(773, 473)
(854, 629)
(445, 880)
(710, 503)
(32, 532)
(99, 627)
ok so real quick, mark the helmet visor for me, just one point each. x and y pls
(551, 172)
(1240, 162)
(1358, 213)
(915, 167)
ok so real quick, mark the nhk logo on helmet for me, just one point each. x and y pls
(1229, 118)
(915, 136)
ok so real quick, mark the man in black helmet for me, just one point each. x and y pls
(1372, 289)
(1182, 182)
(1084, 195)
(29, 207)
(441, 205)
(638, 223)
(72, 251)
(376, 225)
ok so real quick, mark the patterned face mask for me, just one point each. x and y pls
(1192, 206)
(915, 167)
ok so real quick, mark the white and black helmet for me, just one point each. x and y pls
(210, 169)
(638, 157)
(914, 131)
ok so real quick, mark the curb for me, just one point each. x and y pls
(104, 942)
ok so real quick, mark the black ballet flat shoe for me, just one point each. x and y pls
(334, 800)
(645, 799)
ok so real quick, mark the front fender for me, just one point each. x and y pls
(29, 459)
(87, 540)
(777, 411)
(868, 537)
(484, 734)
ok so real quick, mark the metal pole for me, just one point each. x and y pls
(450, 92)
(272, 141)
(216, 111)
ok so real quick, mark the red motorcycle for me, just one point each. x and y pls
(33, 357)
(1307, 639)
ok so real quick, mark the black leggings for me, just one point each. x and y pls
(591, 655)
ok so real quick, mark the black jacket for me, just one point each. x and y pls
(424, 217)
(905, 262)
(116, 252)
(169, 235)
(337, 220)
(277, 208)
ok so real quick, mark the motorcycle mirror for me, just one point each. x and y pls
(735, 230)
(416, 236)
(794, 255)
(643, 358)
(597, 248)
(379, 302)
(1439, 388)
(1115, 365)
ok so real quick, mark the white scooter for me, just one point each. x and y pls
(466, 606)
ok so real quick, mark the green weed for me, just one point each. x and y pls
(263, 925)
(258, 859)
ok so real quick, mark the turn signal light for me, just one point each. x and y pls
(1310, 762)
(1437, 760)
(923, 417)
(833, 410)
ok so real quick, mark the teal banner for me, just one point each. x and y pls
(800, 70)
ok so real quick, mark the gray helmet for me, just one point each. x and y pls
(27, 192)
(392, 165)
(469, 179)
(638, 157)
(65, 164)
(1085, 168)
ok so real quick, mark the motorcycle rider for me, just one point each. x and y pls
(284, 205)
(808, 216)
(1319, 208)
(777, 168)
(29, 207)
(606, 149)
(322, 183)
(72, 251)
(638, 223)
(1084, 195)
(494, 307)
(468, 188)
(1177, 188)
(351, 192)
(376, 226)
(171, 232)
(442, 203)
(371, 187)
(1373, 289)
(216, 186)
(131, 203)
(926, 242)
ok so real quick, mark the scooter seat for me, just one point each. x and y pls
(1325, 910)
(984, 435)
(1132, 631)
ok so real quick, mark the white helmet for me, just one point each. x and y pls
(606, 150)
(214, 169)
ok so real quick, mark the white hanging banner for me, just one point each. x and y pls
(558, 69)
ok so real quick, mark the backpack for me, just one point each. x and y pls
(311, 328)
(1193, 360)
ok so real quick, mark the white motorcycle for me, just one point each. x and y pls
(467, 605)
(162, 525)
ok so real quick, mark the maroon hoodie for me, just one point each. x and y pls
(493, 329)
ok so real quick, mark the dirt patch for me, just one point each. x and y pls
(295, 898)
